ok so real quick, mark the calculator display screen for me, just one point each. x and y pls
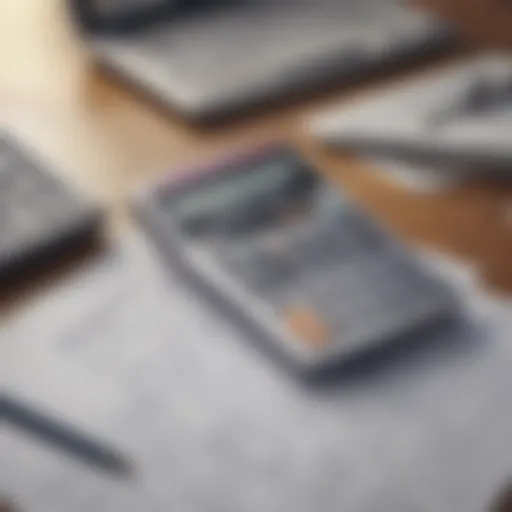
(244, 199)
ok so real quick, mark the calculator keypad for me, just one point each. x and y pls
(333, 279)
(260, 270)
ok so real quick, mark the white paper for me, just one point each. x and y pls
(213, 425)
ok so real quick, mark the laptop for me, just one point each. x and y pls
(460, 116)
(208, 58)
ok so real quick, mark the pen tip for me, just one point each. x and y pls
(122, 467)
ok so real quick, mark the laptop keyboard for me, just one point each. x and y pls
(256, 39)
(483, 95)
(460, 116)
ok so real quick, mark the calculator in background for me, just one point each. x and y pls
(290, 258)
(40, 215)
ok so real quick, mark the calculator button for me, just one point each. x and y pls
(327, 244)
(307, 325)
(257, 269)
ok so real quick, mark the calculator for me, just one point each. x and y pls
(40, 215)
(290, 257)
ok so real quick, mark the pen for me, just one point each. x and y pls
(64, 437)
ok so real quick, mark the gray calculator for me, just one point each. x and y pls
(286, 255)
(40, 215)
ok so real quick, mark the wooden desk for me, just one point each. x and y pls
(110, 141)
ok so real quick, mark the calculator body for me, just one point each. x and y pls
(287, 257)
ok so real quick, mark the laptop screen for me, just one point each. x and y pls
(121, 7)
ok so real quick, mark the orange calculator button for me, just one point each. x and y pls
(306, 325)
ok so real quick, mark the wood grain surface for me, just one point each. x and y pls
(110, 141)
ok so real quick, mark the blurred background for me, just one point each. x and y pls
(113, 96)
